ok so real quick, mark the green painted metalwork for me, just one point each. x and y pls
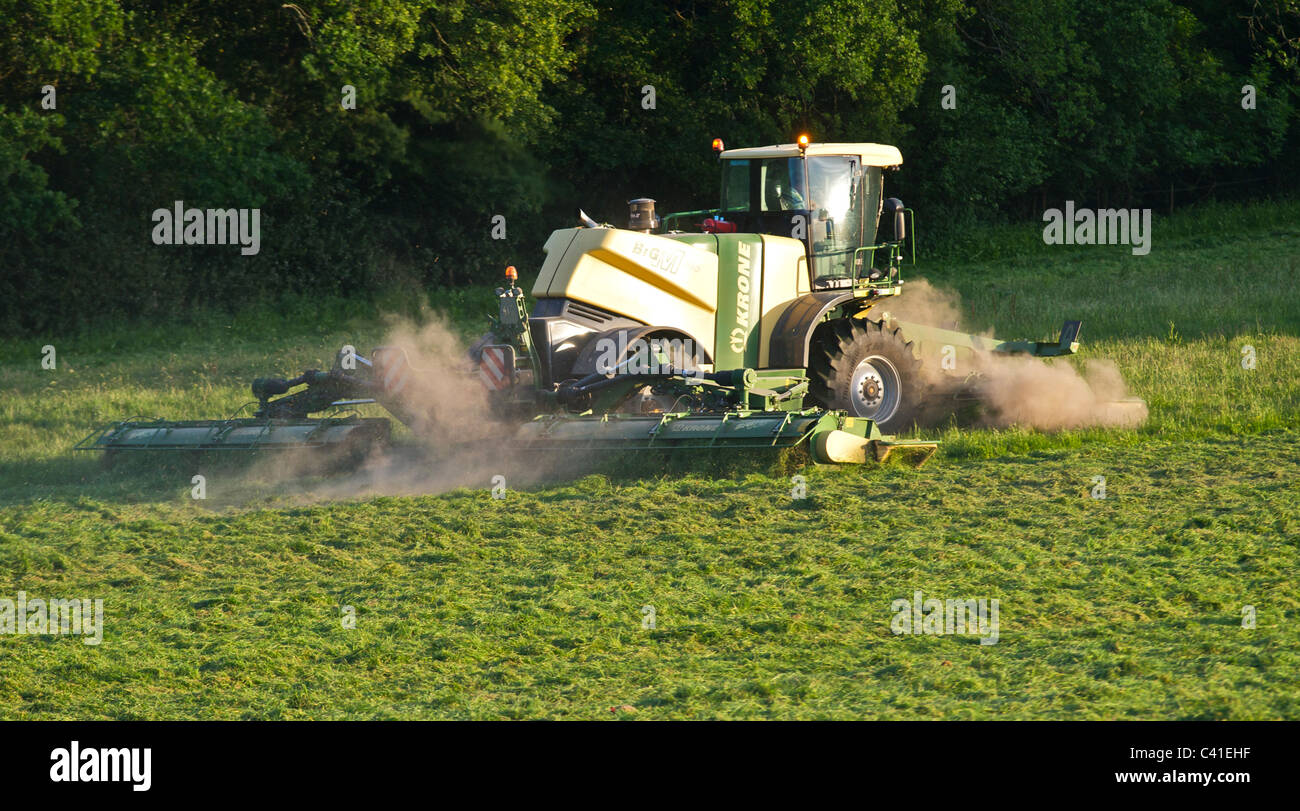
(244, 434)
(693, 431)
(510, 326)
(740, 286)
(929, 339)
(679, 430)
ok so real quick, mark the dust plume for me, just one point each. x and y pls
(926, 304)
(442, 393)
(455, 439)
(1048, 395)
(1017, 390)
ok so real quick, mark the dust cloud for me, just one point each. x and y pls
(926, 304)
(442, 396)
(1019, 390)
(455, 440)
(1054, 396)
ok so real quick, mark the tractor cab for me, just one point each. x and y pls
(828, 196)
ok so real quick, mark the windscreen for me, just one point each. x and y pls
(836, 206)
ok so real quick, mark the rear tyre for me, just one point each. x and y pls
(868, 370)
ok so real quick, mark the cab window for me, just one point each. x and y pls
(782, 182)
(735, 185)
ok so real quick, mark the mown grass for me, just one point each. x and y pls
(766, 607)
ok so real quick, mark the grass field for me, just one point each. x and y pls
(466, 606)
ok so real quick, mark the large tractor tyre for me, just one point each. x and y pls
(868, 370)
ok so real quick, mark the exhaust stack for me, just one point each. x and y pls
(641, 215)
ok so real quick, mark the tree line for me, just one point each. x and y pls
(427, 143)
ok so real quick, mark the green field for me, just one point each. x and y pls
(466, 606)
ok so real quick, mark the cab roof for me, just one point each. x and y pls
(869, 154)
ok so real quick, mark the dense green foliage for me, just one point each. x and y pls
(530, 108)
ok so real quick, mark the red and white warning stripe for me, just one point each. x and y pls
(394, 371)
(493, 367)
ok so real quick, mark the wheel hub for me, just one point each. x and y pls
(874, 391)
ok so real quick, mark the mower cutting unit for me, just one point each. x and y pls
(758, 324)
(280, 424)
(235, 434)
